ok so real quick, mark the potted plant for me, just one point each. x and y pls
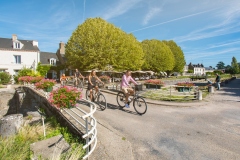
(45, 84)
(184, 86)
(154, 83)
(65, 97)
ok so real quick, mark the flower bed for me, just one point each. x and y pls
(184, 86)
(64, 97)
(153, 83)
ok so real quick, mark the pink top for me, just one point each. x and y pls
(126, 80)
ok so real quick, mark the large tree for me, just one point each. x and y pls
(235, 67)
(178, 56)
(220, 65)
(158, 56)
(96, 44)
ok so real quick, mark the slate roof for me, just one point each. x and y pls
(45, 56)
(7, 44)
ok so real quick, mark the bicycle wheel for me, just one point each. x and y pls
(80, 84)
(101, 101)
(140, 105)
(87, 94)
(121, 99)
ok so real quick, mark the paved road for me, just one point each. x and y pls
(207, 131)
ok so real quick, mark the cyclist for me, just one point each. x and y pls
(77, 75)
(92, 82)
(126, 88)
(63, 79)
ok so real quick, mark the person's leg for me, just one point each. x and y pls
(91, 94)
(126, 94)
(218, 85)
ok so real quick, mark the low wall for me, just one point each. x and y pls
(51, 110)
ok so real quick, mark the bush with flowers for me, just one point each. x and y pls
(104, 78)
(45, 83)
(29, 79)
(64, 97)
(154, 82)
(185, 84)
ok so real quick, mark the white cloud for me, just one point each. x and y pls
(176, 19)
(151, 13)
(122, 7)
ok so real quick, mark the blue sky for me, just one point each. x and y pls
(208, 31)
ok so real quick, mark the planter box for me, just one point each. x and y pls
(184, 89)
(153, 86)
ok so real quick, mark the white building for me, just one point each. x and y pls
(198, 69)
(16, 54)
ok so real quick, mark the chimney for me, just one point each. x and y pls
(35, 43)
(62, 48)
(14, 37)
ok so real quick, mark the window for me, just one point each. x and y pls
(53, 61)
(17, 45)
(17, 59)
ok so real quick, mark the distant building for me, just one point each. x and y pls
(16, 54)
(56, 60)
(209, 69)
(198, 69)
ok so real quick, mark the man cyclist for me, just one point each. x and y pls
(77, 75)
(125, 86)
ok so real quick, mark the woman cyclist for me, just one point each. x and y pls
(92, 83)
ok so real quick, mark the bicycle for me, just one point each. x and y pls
(78, 83)
(99, 98)
(139, 103)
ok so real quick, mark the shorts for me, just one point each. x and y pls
(91, 87)
(127, 89)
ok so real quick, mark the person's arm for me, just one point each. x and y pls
(99, 79)
(82, 76)
(132, 80)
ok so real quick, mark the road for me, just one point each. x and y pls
(207, 131)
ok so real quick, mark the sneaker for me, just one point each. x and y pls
(127, 106)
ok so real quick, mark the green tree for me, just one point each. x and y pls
(96, 44)
(158, 56)
(43, 69)
(235, 67)
(220, 65)
(178, 56)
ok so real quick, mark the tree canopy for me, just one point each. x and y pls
(178, 56)
(158, 56)
(220, 65)
(96, 44)
(235, 67)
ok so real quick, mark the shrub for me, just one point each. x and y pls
(5, 78)
(64, 97)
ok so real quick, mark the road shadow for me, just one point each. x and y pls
(232, 88)
(114, 107)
